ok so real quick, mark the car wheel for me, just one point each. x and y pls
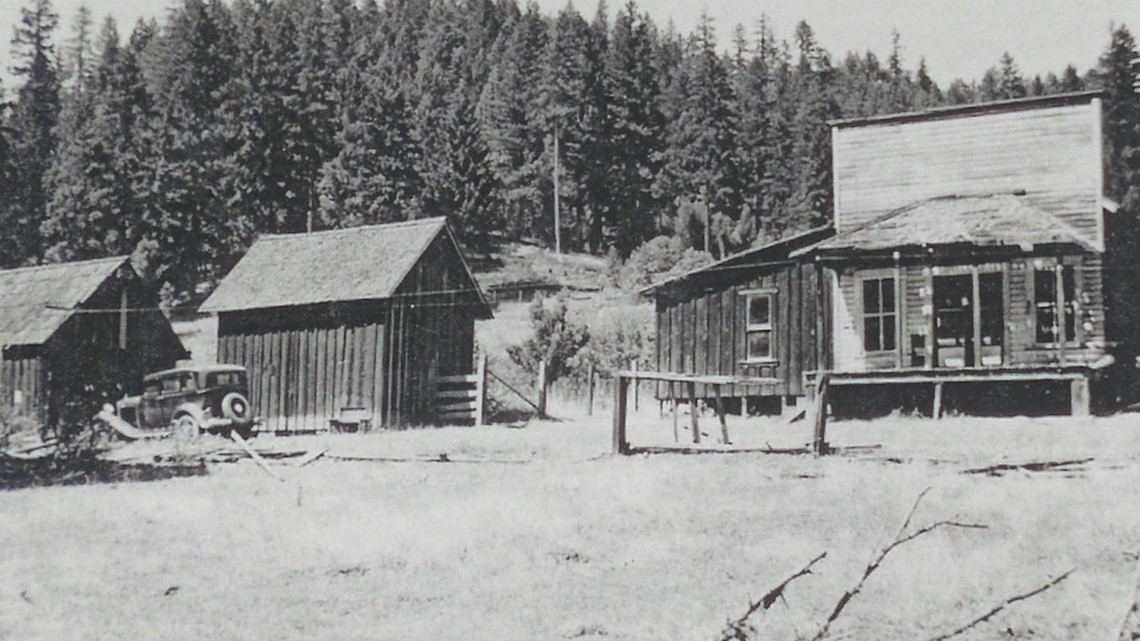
(185, 427)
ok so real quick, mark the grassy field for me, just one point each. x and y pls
(537, 533)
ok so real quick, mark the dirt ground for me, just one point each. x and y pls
(538, 533)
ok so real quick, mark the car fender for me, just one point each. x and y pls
(193, 410)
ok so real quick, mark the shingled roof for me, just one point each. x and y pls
(361, 263)
(981, 221)
(36, 301)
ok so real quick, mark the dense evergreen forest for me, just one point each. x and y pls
(180, 141)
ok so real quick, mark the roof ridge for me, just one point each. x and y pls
(358, 228)
(73, 263)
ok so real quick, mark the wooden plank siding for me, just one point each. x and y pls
(1049, 151)
(704, 332)
(1019, 317)
(307, 363)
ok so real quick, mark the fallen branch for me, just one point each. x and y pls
(1003, 605)
(1033, 466)
(735, 628)
(254, 455)
(1132, 616)
(310, 457)
(900, 539)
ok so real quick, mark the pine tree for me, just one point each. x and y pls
(33, 130)
(1119, 75)
(813, 105)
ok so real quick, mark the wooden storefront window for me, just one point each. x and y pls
(880, 314)
(1048, 324)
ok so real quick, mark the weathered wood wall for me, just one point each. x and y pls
(703, 331)
(305, 364)
(1051, 151)
(22, 386)
(916, 310)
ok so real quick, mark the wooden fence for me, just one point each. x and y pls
(462, 398)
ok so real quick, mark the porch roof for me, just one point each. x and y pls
(1002, 220)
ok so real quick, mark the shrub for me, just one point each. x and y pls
(659, 259)
(554, 339)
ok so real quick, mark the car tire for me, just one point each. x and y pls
(185, 427)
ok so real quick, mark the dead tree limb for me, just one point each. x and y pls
(735, 628)
(900, 539)
(1003, 605)
(1130, 626)
(1032, 466)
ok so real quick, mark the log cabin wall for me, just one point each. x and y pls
(1049, 148)
(704, 331)
(914, 344)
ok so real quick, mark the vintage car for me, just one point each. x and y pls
(192, 398)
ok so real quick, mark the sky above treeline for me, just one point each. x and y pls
(958, 38)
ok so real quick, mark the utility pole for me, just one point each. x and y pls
(557, 214)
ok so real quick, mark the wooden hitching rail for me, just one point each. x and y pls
(625, 377)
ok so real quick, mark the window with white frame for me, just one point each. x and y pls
(759, 337)
(879, 314)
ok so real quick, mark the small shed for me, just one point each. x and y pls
(72, 332)
(756, 314)
(362, 320)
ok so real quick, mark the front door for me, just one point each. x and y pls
(969, 320)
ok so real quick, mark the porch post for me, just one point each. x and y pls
(1059, 316)
(977, 311)
(928, 311)
(1079, 396)
(900, 311)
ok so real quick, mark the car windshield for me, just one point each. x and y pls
(225, 379)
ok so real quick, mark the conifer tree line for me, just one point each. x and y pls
(181, 140)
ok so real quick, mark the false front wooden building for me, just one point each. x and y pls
(974, 260)
(970, 255)
(361, 320)
(75, 335)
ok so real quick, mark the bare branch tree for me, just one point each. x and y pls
(1003, 605)
(736, 628)
(900, 539)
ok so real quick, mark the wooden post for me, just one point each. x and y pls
(693, 411)
(636, 388)
(480, 390)
(590, 389)
(673, 401)
(123, 318)
(1079, 396)
(976, 308)
(819, 439)
(621, 384)
(1059, 317)
(720, 415)
(936, 411)
(542, 389)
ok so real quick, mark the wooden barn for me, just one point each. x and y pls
(755, 314)
(974, 261)
(360, 320)
(72, 332)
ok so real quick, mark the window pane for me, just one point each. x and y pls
(760, 344)
(1045, 333)
(871, 336)
(870, 297)
(889, 332)
(888, 288)
(759, 310)
(1045, 286)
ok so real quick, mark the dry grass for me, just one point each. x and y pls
(576, 544)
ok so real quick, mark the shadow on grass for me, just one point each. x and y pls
(86, 470)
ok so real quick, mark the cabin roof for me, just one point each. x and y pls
(754, 257)
(340, 265)
(956, 111)
(1002, 220)
(36, 301)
